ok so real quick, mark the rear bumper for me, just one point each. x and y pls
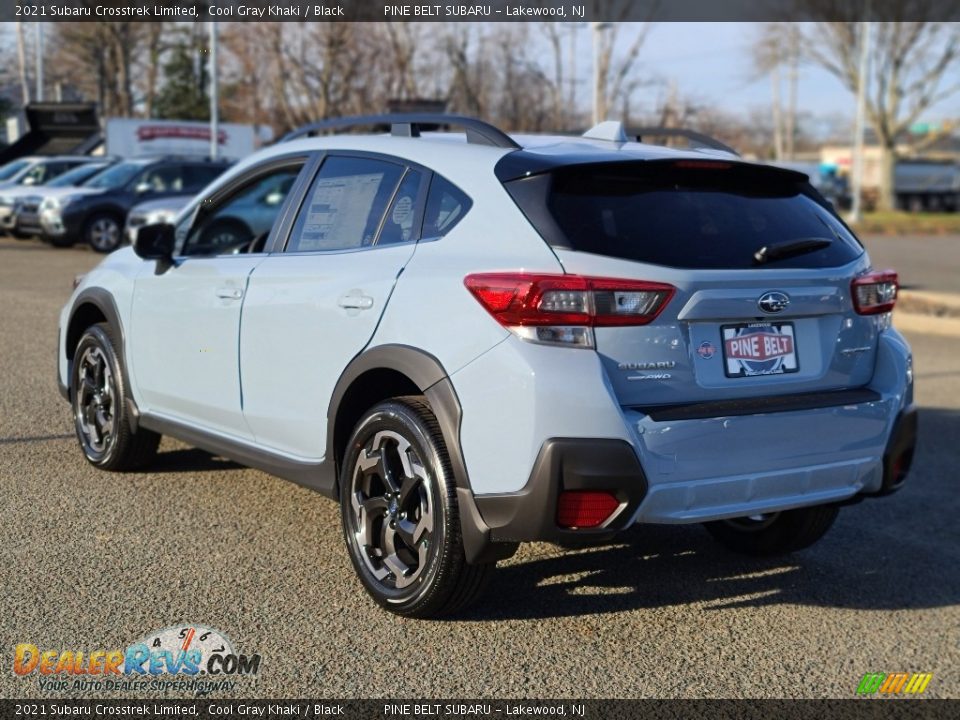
(567, 464)
(701, 470)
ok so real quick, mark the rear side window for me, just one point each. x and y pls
(690, 215)
(345, 205)
(400, 226)
(446, 206)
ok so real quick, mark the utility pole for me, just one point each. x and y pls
(214, 95)
(777, 112)
(39, 61)
(856, 211)
(793, 62)
(22, 58)
(599, 79)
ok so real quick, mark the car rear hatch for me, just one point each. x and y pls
(762, 270)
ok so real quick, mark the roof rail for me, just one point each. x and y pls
(613, 131)
(410, 125)
(704, 140)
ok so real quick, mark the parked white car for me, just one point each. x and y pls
(475, 340)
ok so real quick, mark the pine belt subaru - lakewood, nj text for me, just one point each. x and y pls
(473, 340)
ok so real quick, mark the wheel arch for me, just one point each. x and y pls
(92, 306)
(394, 370)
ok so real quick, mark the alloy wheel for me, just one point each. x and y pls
(94, 407)
(392, 510)
(104, 234)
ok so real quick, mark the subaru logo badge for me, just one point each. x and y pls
(773, 302)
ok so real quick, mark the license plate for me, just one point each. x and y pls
(752, 349)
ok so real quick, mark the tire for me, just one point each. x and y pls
(100, 409)
(774, 533)
(396, 467)
(104, 232)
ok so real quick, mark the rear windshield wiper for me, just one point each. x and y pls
(790, 248)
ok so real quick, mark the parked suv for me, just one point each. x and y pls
(21, 176)
(476, 340)
(96, 212)
(14, 199)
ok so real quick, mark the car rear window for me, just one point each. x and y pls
(697, 215)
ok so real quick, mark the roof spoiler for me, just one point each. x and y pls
(613, 131)
(410, 125)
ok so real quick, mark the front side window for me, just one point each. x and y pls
(41, 172)
(345, 205)
(241, 222)
(162, 179)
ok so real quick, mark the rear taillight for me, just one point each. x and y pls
(564, 309)
(875, 292)
(585, 508)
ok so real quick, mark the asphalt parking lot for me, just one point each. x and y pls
(91, 560)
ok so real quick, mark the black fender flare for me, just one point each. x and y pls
(429, 375)
(104, 302)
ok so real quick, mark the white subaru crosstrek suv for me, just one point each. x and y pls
(475, 340)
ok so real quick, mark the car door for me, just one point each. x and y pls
(186, 317)
(310, 309)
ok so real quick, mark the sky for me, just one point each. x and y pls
(712, 62)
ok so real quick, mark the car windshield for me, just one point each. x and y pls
(77, 175)
(12, 168)
(116, 176)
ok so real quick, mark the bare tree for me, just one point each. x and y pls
(613, 72)
(912, 68)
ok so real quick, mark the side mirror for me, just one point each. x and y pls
(155, 242)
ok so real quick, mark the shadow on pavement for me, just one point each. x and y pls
(190, 460)
(893, 553)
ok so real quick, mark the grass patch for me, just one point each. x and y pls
(896, 222)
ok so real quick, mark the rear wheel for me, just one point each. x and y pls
(100, 412)
(400, 516)
(774, 533)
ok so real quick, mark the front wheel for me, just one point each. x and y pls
(774, 533)
(400, 516)
(104, 233)
(100, 412)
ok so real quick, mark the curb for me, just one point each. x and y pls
(931, 313)
(922, 302)
(927, 324)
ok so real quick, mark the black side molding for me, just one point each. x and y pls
(316, 476)
(751, 406)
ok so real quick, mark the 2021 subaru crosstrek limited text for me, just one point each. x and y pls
(475, 340)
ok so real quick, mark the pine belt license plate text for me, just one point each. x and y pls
(763, 348)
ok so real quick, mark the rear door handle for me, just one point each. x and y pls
(356, 301)
(229, 293)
